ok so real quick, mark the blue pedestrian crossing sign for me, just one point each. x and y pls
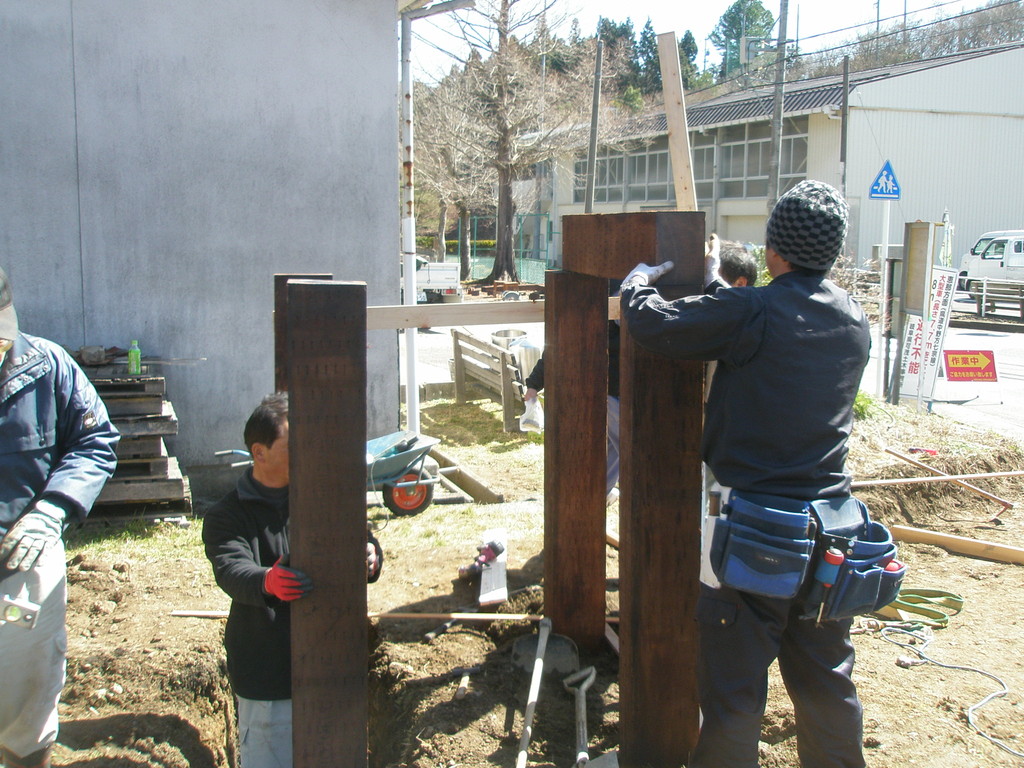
(885, 186)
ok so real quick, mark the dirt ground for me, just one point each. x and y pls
(148, 689)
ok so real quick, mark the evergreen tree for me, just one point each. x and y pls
(648, 63)
(744, 18)
(688, 59)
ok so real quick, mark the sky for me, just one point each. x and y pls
(809, 20)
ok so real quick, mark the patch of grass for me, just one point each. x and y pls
(863, 405)
(140, 540)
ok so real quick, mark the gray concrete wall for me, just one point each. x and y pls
(162, 160)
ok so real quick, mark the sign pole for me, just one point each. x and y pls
(883, 301)
(885, 187)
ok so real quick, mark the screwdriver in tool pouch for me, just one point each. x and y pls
(826, 574)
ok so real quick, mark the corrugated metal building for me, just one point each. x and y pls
(952, 128)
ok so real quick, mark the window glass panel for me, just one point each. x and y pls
(638, 169)
(757, 158)
(799, 161)
(732, 161)
(793, 125)
(787, 184)
(732, 189)
(704, 163)
(734, 133)
(579, 185)
(759, 131)
(995, 249)
(658, 167)
(705, 190)
(698, 139)
(757, 188)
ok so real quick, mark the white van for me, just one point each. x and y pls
(996, 255)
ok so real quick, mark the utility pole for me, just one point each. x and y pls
(777, 112)
(408, 234)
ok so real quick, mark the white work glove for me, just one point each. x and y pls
(645, 275)
(711, 260)
(34, 533)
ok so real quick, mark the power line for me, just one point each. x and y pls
(894, 32)
(874, 38)
(879, 21)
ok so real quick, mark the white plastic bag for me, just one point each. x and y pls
(533, 419)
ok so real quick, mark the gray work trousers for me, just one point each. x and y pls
(32, 660)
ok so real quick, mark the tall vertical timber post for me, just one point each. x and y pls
(576, 388)
(326, 345)
(281, 324)
(661, 406)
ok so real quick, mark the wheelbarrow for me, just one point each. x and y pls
(396, 465)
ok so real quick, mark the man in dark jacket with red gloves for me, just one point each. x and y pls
(246, 540)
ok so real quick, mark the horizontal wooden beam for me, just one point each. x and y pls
(468, 313)
(404, 615)
(939, 478)
(465, 479)
(986, 550)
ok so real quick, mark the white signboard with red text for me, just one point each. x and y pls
(923, 337)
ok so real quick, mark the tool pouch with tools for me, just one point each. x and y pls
(763, 544)
(869, 576)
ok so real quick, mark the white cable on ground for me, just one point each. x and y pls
(924, 637)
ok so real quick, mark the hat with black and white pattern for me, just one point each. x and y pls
(807, 226)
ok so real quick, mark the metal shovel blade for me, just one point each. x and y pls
(560, 655)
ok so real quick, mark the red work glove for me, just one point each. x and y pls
(286, 583)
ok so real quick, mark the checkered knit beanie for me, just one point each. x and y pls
(808, 225)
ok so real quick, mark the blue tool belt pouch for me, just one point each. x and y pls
(863, 583)
(761, 549)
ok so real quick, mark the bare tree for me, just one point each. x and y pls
(451, 162)
(518, 111)
(998, 22)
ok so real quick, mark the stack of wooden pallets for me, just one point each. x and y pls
(148, 481)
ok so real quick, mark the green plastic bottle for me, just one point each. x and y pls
(134, 359)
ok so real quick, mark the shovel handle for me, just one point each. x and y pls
(531, 701)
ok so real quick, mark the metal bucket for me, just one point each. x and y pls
(527, 354)
(505, 338)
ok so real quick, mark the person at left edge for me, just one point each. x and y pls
(246, 540)
(56, 452)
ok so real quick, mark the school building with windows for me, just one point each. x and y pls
(952, 129)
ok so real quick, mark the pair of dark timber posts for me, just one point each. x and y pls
(320, 358)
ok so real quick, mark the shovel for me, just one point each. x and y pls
(577, 684)
(562, 651)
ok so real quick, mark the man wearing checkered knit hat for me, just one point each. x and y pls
(791, 355)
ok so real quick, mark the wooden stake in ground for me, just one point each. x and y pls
(326, 364)
(1005, 504)
(661, 408)
(986, 550)
(281, 324)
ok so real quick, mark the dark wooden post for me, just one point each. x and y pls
(575, 396)
(326, 345)
(659, 556)
(661, 408)
(281, 323)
